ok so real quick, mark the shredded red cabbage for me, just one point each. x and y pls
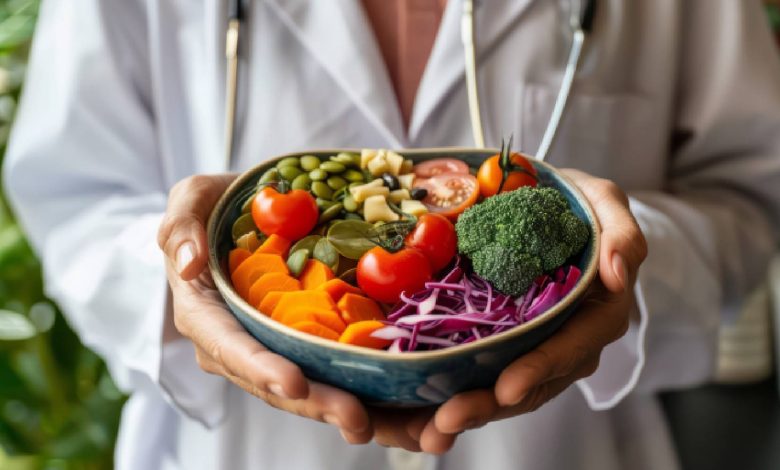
(461, 307)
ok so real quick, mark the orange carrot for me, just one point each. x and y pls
(324, 317)
(314, 274)
(336, 288)
(271, 282)
(314, 328)
(275, 245)
(252, 268)
(307, 299)
(269, 302)
(236, 257)
(359, 334)
(355, 308)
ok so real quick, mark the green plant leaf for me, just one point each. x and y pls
(15, 326)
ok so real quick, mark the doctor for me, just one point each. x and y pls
(677, 103)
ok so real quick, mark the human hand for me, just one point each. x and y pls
(222, 345)
(573, 351)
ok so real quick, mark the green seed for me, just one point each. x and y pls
(343, 158)
(336, 182)
(330, 213)
(349, 204)
(289, 161)
(353, 176)
(332, 167)
(289, 173)
(242, 226)
(302, 181)
(323, 204)
(321, 190)
(351, 216)
(269, 176)
(246, 208)
(318, 174)
(296, 261)
(340, 193)
(310, 162)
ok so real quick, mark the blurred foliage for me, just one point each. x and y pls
(59, 408)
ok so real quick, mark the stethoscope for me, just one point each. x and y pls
(581, 13)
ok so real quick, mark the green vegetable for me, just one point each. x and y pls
(242, 226)
(302, 182)
(332, 167)
(306, 243)
(353, 176)
(310, 162)
(336, 182)
(289, 173)
(318, 174)
(325, 252)
(321, 190)
(351, 238)
(297, 261)
(269, 176)
(330, 213)
(289, 161)
(514, 237)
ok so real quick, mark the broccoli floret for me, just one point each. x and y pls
(514, 237)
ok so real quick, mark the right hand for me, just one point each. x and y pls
(222, 345)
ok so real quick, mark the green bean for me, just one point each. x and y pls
(321, 190)
(310, 162)
(318, 174)
(330, 213)
(336, 182)
(302, 181)
(289, 161)
(332, 167)
(289, 173)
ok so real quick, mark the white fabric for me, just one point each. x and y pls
(678, 102)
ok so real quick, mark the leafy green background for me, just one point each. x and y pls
(59, 408)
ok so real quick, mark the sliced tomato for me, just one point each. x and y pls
(440, 166)
(449, 194)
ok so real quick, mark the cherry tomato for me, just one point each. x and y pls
(450, 194)
(440, 166)
(291, 215)
(384, 275)
(435, 236)
(490, 175)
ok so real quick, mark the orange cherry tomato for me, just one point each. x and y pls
(450, 194)
(490, 175)
(291, 215)
(384, 275)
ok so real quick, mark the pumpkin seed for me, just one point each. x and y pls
(324, 203)
(349, 204)
(289, 173)
(332, 167)
(330, 213)
(321, 190)
(302, 181)
(327, 254)
(353, 176)
(297, 261)
(336, 182)
(269, 176)
(318, 174)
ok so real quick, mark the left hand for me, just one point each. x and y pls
(572, 353)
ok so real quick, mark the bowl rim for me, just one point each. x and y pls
(225, 287)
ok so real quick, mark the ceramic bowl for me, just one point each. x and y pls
(405, 379)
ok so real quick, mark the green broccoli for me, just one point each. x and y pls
(516, 236)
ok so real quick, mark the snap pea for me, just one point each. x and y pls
(336, 182)
(332, 167)
(302, 181)
(289, 161)
(321, 190)
(330, 213)
(297, 260)
(318, 174)
(289, 173)
(350, 205)
(353, 176)
(269, 176)
(310, 162)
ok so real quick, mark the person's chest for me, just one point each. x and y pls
(312, 76)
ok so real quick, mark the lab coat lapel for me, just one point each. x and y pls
(446, 66)
(338, 35)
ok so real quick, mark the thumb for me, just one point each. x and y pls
(182, 233)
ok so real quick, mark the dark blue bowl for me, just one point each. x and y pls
(407, 379)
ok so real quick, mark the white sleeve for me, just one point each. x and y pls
(84, 173)
(712, 233)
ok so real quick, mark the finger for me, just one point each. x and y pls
(434, 441)
(182, 234)
(357, 438)
(536, 398)
(623, 246)
(400, 428)
(466, 410)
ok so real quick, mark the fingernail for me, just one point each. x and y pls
(277, 390)
(330, 419)
(184, 257)
(619, 268)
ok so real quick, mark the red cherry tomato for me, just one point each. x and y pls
(435, 236)
(438, 166)
(384, 275)
(450, 194)
(490, 175)
(291, 215)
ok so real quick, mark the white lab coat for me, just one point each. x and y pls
(677, 101)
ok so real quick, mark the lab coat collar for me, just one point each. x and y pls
(446, 65)
(337, 33)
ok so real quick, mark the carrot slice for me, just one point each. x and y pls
(236, 257)
(324, 317)
(252, 268)
(275, 245)
(314, 274)
(355, 308)
(271, 282)
(303, 299)
(269, 302)
(314, 328)
(336, 288)
(359, 334)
